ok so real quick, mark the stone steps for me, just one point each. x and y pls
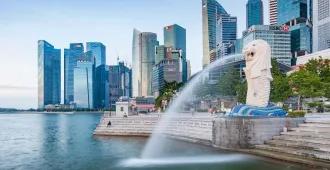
(316, 125)
(299, 145)
(189, 129)
(311, 129)
(318, 121)
(306, 139)
(306, 134)
(298, 152)
(310, 140)
(319, 163)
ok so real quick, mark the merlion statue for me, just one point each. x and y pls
(258, 76)
(258, 72)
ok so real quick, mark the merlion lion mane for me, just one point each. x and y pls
(258, 72)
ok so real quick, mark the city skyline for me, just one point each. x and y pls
(109, 23)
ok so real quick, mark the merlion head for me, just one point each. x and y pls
(258, 57)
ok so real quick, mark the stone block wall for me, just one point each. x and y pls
(245, 132)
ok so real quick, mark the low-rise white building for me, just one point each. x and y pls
(123, 108)
(325, 54)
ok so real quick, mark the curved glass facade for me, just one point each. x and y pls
(143, 59)
(101, 78)
(49, 74)
(210, 11)
(70, 61)
(84, 81)
(254, 13)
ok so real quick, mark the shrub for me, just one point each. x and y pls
(297, 113)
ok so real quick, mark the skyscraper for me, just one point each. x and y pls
(189, 68)
(226, 33)
(254, 13)
(321, 25)
(84, 81)
(143, 59)
(70, 61)
(175, 37)
(49, 74)
(278, 38)
(273, 12)
(99, 52)
(294, 13)
(210, 11)
(119, 76)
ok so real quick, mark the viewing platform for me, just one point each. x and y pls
(196, 129)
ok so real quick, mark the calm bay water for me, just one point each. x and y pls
(63, 141)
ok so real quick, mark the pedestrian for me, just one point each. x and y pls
(109, 124)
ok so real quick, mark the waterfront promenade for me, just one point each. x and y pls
(197, 129)
(303, 141)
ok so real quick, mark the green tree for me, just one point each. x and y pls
(241, 90)
(321, 67)
(167, 92)
(306, 83)
(280, 88)
(228, 82)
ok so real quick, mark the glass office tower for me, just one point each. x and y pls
(99, 52)
(49, 74)
(143, 59)
(320, 12)
(84, 81)
(294, 13)
(254, 13)
(211, 9)
(226, 33)
(175, 37)
(120, 85)
(70, 61)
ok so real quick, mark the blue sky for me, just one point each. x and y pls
(60, 22)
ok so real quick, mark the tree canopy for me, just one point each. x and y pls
(167, 92)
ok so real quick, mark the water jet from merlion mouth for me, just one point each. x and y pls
(155, 143)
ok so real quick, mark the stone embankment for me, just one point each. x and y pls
(309, 144)
(187, 128)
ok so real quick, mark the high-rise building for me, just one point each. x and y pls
(210, 11)
(143, 59)
(70, 61)
(84, 81)
(175, 37)
(119, 84)
(321, 25)
(254, 13)
(278, 38)
(99, 52)
(49, 74)
(189, 68)
(166, 70)
(273, 12)
(226, 33)
(238, 45)
(294, 13)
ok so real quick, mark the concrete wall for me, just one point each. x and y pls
(245, 132)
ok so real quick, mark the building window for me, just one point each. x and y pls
(121, 108)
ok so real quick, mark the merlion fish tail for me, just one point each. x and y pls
(262, 82)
